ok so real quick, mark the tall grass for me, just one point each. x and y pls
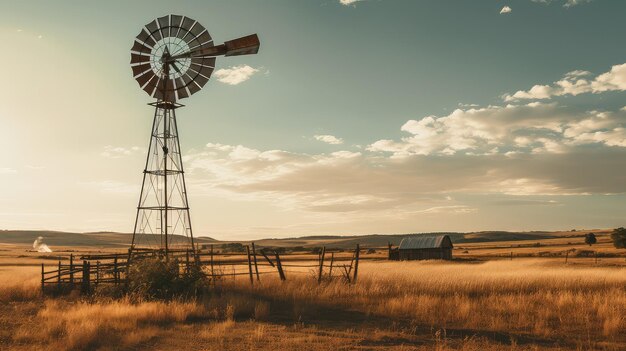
(84, 326)
(19, 284)
(525, 298)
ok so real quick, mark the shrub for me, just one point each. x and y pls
(233, 247)
(158, 278)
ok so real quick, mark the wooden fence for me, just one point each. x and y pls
(92, 270)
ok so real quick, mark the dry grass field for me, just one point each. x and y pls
(528, 303)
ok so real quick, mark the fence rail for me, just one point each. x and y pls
(91, 270)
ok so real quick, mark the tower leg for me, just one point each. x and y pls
(163, 221)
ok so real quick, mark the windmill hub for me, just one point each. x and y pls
(172, 58)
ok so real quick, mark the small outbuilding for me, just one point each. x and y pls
(423, 248)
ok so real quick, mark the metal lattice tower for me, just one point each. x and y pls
(172, 58)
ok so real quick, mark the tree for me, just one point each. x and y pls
(233, 247)
(590, 239)
(619, 238)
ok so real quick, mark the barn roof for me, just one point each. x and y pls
(425, 242)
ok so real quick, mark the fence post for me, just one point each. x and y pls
(566, 255)
(250, 265)
(356, 263)
(389, 250)
(595, 254)
(332, 260)
(85, 283)
(42, 277)
(59, 276)
(97, 272)
(72, 269)
(511, 255)
(212, 271)
(128, 266)
(115, 269)
(322, 254)
(280, 267)
(187, 261)
(256, 267)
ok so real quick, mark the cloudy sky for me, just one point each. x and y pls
(370, 116)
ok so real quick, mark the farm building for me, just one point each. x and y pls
(423, 248)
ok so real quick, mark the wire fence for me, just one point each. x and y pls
(89, 271)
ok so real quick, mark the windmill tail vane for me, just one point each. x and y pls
(172, 58)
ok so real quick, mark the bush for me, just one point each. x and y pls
(619, 238)
(233, 247)
(158, 278)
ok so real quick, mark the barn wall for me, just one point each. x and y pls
(426, 254)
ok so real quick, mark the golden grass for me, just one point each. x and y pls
(523, 296)
(498, 305)
(85, 325)
(19, 284)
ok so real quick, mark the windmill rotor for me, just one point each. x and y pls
(173, 56)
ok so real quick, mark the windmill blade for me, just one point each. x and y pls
(140, 69)
(203, 61)
(201, 79)
(164, 26)
(141, 48)
(186, 79)
(144, 78)
(197, 29)
(181, 90)
(149, 88)
(195, 70)
(145, 38)
(153, 29)
(187, 23)
(180, 83)
(190, 35)
(136, 58)
(182, 93)
(175, 22)
(193, 88)
(202, 40)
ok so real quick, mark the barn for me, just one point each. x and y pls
(424, 248)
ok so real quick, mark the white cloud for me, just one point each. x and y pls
(567, 3)
(570, 3)
(512, 129)
(448, 209)
(329, 139)
(349, 2)
(575, 83)
(355, 182)
(120, 151)
(235, 75)
(505, 10)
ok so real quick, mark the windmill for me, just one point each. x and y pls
(172, 58)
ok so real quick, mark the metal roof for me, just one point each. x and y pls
(425, 242)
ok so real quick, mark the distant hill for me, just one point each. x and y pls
(54, 238)
(121, 240)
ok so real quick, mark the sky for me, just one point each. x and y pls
(355, 117)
